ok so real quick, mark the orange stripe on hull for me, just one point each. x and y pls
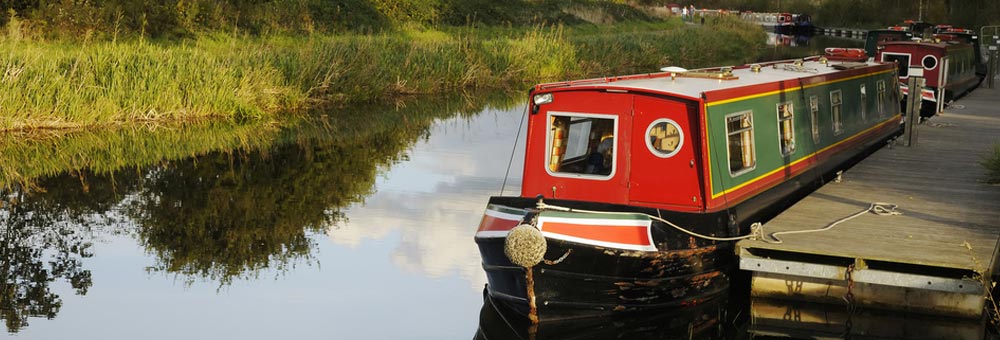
(631, 235)
(490, 223)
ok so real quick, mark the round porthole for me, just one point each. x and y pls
(929, 62)
(664, 137)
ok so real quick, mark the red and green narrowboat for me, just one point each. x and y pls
(615, 167)
(949, 69)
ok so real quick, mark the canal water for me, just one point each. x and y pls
(353, 223)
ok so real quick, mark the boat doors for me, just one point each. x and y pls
(578, 147)
(664, 149)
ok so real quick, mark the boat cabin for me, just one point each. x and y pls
(699, 140)
(948, 67)
(968, 37)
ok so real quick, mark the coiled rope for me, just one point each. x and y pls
(878, 208)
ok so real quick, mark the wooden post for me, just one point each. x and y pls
(992, 65)
(913, 103)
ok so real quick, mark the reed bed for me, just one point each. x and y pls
(221, 77)
(27, 156)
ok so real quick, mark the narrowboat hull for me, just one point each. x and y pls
(582, 279)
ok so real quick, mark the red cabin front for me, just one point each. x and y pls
(918, 59)
(613, 146)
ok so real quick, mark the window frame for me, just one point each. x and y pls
(837, 111)
(814, 116)
(902, 70)
(864, 101)
(549, 139)
(752, 139)
(657, 152)
(880, 87)
(781, 128)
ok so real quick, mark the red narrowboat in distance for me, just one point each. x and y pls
(621, 173)
(948, 67)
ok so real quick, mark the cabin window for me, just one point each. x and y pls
(664, 138)
(786, 132)
(835, 112)
(929, 62)
(739, 131)
(881, 98)
(581, 144)
(864, 103)
(902, 62)
(814, 115)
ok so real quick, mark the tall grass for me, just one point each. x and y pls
(222, 77)
(54, 85)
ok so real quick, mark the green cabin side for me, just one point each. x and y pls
(780, 146)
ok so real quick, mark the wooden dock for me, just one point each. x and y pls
(937, 257)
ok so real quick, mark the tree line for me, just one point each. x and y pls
(970, 14)
(181, 18)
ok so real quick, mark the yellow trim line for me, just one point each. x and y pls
(765, 94)
(893, 120)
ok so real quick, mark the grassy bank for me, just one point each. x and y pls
(66, 85)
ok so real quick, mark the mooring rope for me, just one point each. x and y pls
(756, 229)
(878, 208)
(514, 151)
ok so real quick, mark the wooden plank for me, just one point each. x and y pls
(950, 217)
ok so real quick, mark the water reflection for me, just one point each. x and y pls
(790, 47)
(433, 199)
(38, 247)
(778, 39)
(705, 321)
(798, 320)
(221, 203)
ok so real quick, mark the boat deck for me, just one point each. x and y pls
(946, 239)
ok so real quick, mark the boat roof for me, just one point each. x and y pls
(944, 44)
(694, 83)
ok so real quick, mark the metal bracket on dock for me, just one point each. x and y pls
(882, 289)
(862, 274)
